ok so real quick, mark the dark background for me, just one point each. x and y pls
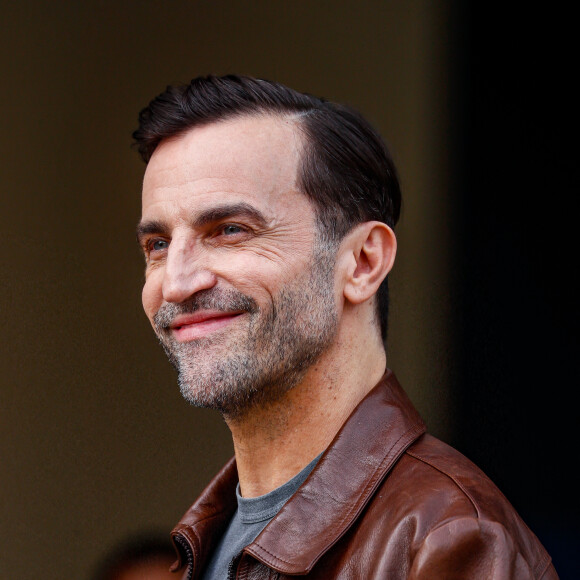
(479, 105)
(516, 262)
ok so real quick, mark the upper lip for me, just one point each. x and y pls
(200, 316)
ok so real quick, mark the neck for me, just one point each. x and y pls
(275, 442)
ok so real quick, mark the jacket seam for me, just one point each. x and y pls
(543, 565)
(451, 477)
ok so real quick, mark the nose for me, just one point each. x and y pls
(186, 272)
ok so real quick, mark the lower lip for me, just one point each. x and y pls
(202, 329)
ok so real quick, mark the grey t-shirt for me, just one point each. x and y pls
(251, 517)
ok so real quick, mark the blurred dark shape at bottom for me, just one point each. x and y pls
(142, 556)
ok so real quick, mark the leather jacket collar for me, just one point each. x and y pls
(365, 449)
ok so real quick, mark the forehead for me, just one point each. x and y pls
(252, 157)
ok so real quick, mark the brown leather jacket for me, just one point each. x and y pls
(385, 501)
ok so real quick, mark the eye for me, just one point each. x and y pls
(158, 245)
(231, 229)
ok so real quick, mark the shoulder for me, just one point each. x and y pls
(447, 485)
(451, 511)
(445, 471)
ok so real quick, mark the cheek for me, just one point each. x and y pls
(257, 279)
(151, 297)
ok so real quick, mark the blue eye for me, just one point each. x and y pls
(159, 245)
(230, 230)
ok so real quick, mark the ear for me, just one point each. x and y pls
(373, 246)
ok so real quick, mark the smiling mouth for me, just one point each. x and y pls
(200, 324)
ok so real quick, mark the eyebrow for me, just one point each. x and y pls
(221, 212)
(206, 217)
(150, 227)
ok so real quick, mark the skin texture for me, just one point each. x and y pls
(236, 277)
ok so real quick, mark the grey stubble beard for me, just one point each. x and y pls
(258, 364)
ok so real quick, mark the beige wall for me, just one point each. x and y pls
(95, 441)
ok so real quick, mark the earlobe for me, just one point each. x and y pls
(374, 246)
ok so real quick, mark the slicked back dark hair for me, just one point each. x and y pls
(346, 169)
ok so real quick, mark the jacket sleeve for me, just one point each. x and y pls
(475, 549)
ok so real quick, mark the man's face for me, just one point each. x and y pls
(238, 288)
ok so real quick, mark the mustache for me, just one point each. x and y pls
(211, 299)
